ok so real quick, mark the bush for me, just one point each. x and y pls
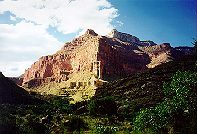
(92, 107)
(178, 98)
(102, 106)
(76, 124)
(100, 129)
(62, 104)
(127, 111)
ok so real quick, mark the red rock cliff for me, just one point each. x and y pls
(116, 55)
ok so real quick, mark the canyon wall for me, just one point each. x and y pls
(106, 57)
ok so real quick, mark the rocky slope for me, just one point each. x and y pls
(106, 57)
(144, 89)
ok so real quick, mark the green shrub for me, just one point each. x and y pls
(76, 124)
(100, 129)
(92, 107)
(178, 98)
(102, 106)
(62, 104)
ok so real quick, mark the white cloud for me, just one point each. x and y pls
(13, 69)
(13, 18)
(22, 44)
(120, 23)
(67, 16)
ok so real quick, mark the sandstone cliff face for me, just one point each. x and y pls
(147, 43)
(116, 55)
(120, 58)
(123, 37)
(74, 56)
(158, 54)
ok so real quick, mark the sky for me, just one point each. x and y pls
(30, 29)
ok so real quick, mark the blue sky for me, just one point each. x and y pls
(30, 29)
(172, 21)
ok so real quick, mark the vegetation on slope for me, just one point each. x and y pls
(179, 101)
(138, 104)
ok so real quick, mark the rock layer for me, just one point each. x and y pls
(107, 57)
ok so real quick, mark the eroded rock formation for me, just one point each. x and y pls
(118, 54)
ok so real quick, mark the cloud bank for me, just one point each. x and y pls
(22, 44)
(26, 39)
(67, 16)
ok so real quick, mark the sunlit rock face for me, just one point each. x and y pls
(158, 54)
(106, 57)
(147, 43)
(123, 37)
